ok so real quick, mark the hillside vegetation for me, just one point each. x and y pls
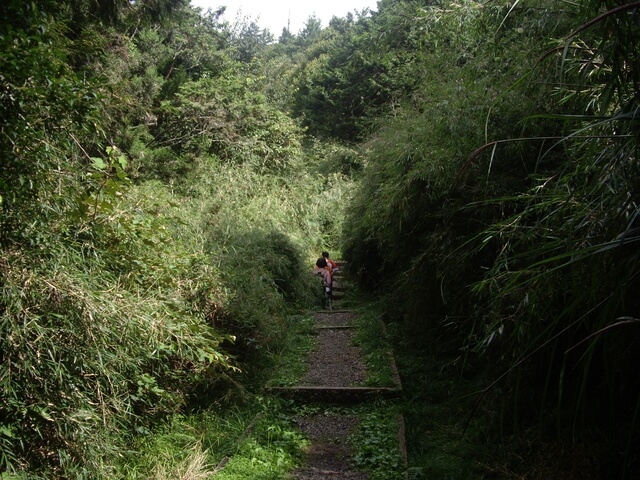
(168, 178)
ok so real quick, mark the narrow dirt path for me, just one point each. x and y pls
(335, 376)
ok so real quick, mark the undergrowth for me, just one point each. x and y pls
(290, 361)
(377, 441)
(372, 339)
(453, 425)
(257, 440)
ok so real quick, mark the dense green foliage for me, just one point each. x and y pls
(498, 211)
(159, 215)
(167, 179)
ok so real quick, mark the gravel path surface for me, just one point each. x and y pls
(335, 362)
(333, 319)
(328, 455)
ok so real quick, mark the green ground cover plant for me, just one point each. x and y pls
(256, 440)
(376, 442)
(372, 339)
(290, 363)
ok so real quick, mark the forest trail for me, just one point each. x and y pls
(336, 392)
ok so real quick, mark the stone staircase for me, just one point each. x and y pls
(336, 367)
(339, 283)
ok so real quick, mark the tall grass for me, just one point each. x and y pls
(97, 341)
(519, 262)
(564, 280)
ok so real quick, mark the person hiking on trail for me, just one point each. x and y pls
(333, 265)
(323, 269)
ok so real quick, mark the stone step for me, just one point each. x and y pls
(339, 395)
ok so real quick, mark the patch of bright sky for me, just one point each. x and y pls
(276, 14)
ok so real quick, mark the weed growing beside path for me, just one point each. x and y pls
(267, 437)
